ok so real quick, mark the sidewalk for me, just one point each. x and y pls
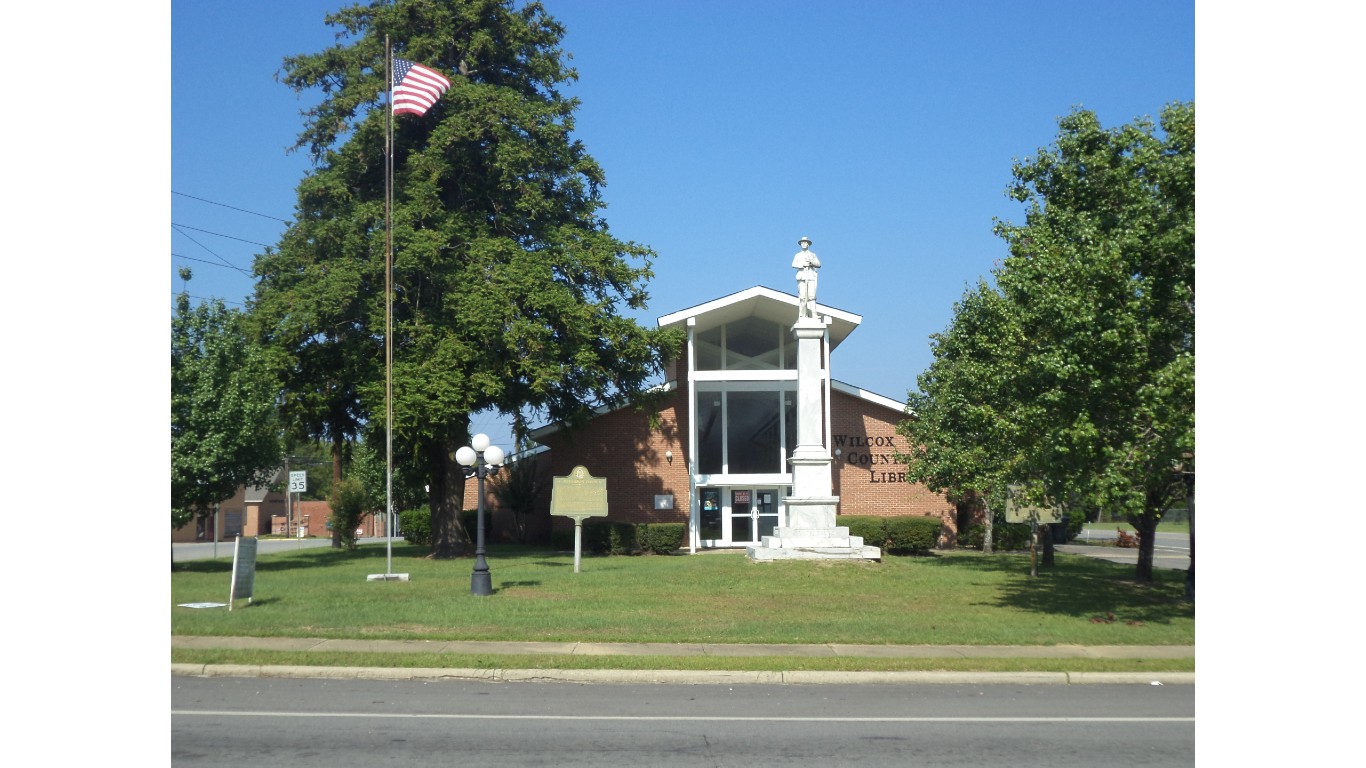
(688, 649)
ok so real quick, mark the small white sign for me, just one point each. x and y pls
(298, 482)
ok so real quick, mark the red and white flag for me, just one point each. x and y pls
(416, 88)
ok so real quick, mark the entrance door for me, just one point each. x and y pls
(753, 514)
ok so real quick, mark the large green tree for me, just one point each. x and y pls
(510, 288)
(963, 436)
(224, 432)
(1096, 379)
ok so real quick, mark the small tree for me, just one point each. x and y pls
(962, 428)
(347, 507)
(224, 433)
(518, 487)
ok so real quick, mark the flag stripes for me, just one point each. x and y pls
(416, 88)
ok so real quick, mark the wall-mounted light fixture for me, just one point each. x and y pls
(669, 457)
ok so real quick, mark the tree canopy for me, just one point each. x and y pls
(1077, 371)
(224, 433)
(509, 286)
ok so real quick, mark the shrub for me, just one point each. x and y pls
(913, 534)
(562, 539)
(469, 520)
(1010, 536)
(1004, 536)
(623, 539)
(661, 538)
(416, 525)
(349, 504)
(605, 537)
(1076, 521)
(872, 529)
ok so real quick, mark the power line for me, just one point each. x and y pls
(210, 298)
(231, 207)
(179, 227)
(204, 261)
(225, 262)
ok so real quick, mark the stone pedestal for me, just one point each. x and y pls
(811, 533)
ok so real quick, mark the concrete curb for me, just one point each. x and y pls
(829, 650)
(687, 677)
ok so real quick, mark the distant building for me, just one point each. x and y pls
(248, 513)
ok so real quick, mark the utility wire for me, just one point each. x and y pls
(203, 261)
(179, 227)
(230, 207)
(210, 298)
(226, 263)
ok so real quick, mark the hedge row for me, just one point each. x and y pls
(900, 535)
(416, 525)
(604, 537)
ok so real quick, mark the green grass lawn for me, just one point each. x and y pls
(947, 598)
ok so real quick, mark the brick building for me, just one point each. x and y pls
(714, 453)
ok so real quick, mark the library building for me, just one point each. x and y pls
(747, 442)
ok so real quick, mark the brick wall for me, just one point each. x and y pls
(622, 447)
(867, 477)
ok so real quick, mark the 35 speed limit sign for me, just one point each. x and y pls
(298, 482)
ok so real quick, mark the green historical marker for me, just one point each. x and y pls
(579, 495)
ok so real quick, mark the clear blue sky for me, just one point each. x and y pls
(883, 130)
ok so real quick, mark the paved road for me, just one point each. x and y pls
(343, 723)
(1170, 550)
(205, 551)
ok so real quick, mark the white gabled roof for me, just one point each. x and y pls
(767, 303)
(863, 394)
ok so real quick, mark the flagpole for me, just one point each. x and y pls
(389, 311)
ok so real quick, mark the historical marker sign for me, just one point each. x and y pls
(1015, 514)
(580, 496)
(243, 570)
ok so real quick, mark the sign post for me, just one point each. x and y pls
(1035, 516)
(580, 496)
(298, 483)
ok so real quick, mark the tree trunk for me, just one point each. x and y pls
(338, 448)
(1146, 525)
(1190, 521)
(1046, 531)
(449, 538)
(986, 539)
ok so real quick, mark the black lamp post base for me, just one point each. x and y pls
(481, 584)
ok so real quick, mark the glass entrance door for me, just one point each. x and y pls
(753, 514)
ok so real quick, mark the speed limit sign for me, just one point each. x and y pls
(298, 482)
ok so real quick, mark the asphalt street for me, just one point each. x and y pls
(341, 723)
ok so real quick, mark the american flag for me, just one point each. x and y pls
(416, 88)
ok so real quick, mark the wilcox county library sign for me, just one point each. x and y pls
(876, 454)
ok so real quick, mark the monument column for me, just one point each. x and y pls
(810, 532)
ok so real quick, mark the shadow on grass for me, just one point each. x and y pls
(305, 558)
(1082, 587)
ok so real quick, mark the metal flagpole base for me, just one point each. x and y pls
(387, 577)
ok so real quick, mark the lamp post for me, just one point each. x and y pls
(480, 460)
